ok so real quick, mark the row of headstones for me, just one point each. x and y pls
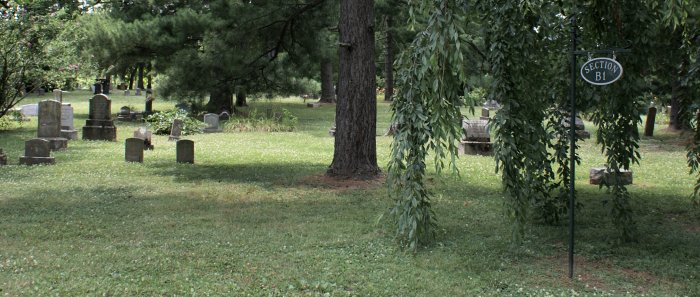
(134, 148)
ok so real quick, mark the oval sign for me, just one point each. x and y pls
(601, 71)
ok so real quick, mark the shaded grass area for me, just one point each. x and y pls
(254, 217)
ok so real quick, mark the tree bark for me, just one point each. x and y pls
(220, 99)
(389, 62)
(132, 75)
(149, 78)
(327, 92)
(139, 81)
(355, 150)
(241, 97)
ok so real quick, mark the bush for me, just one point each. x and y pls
(161, 122)
(283, 121)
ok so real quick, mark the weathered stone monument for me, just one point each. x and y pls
(175, 130)
(579, 126)
(97, 88)
(149, 106)
(125, 114)
(50, 124)
(212, 121)
(313, 104)
(185, 151)
(3, 158)
(36, 151)
(99, 125)
(146, 136)
(484, 114)
(133, 150)
(67, 127)
(476, 139)
(127, 92)
(137, 92)
(604, 175)
(58, 95)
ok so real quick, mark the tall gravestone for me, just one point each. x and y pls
(50, 124)
(67, 127)
(185, 151)
(176, 130)
(99, 125)
(649, 124)
(36, 151)
(133, 150)
(212, 121)
(58, 95)
(149, 106)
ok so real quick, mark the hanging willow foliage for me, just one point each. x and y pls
(427, 114)
(527, 47)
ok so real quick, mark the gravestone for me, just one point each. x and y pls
(484, 114)
(58, 95)
(602, 175)
(29, 110)
(149, 106)
(67, 127)
(99, 125)
(97, 87)
(331, 131)
(137, 92)
(175, 130)
(185, 151)
(133, 150)
(146, 136)
(492, 104)
(3, 158)
(224, 116)
(50, 124)
(36, 151)
(124, 114)
(476, 139)
(127, 92)
(579, 126)
(212, 121)
(313, 104)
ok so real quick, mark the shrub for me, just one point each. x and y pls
(283, 121)
(161, 122)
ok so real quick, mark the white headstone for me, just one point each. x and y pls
(29, 110)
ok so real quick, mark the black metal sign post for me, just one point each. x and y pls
(599, 71)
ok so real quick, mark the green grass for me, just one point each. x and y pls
(254, 217)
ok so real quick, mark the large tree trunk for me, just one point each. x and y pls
(220, 99)
(139, 81)
(355, 151)
(327, 92)
(149, 78)
(389, 62)
(241, 97)
(132, 75)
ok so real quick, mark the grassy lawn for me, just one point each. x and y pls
(255, 217)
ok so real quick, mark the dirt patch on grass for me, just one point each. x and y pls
(603, 275)
(342, 184)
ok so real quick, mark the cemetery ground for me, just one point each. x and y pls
(254, 216)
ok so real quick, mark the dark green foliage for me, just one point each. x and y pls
(161, 122)
(426, 111)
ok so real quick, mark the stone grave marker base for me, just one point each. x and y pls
(475, 148)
